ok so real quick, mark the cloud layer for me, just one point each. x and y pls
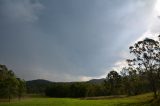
(70, 40)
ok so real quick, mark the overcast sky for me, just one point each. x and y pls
(72, 40)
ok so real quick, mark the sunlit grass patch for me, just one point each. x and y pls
(140, 100)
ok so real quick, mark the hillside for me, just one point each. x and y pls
(39, 85)
(96, 81)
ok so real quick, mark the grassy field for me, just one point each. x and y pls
(140, 100)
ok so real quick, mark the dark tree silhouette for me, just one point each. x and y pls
(146, 61)
(114, 80)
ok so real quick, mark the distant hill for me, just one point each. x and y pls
(39, 81)
(40, 85)
(37, 86)
(45, 82)
(96, 81)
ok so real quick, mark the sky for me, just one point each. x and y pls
(72, 40)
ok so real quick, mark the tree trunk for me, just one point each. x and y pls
(19, 97)
(9, 98)
(153, 84)
(154, 90)
(155, 95)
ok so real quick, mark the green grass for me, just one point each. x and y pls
(140, 100)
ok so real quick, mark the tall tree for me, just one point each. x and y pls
(146, 60)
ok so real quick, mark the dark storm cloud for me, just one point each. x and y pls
(66, 40)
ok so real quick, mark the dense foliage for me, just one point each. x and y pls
(76, 89)
(10, 85)
(126, 83)
(37, 86)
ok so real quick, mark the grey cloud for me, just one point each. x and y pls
(21, 10)
(48, 38)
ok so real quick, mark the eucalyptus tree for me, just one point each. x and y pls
(147, 61)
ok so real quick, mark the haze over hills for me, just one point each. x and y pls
(43, 81)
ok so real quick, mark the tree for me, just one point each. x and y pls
(21, 88)
(114, 80)
(9, 84)
(126, 84)
(146, 60)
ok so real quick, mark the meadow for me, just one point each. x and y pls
(140, 100)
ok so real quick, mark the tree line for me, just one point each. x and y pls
(127, 82)
(75, 90)
(10, 85)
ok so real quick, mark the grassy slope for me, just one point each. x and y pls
(130, 101)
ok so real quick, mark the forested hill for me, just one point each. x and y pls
(39, 81)
(42, 81)
(37, 86)
(40, 85)
(46, 82)
(96, 81)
